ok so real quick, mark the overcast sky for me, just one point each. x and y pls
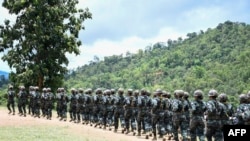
(119, 26)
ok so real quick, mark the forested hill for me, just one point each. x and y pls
(217, 58)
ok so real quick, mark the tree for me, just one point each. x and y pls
(36, 43)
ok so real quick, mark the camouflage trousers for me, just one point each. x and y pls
(141, 120)
(213, 129)
(119, 115)
(11, 106)
(179, 122)
(22, 106)
(197, 127)
(130, 119)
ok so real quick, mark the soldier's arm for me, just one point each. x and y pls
(174, 106)
(209, 107)
(193, 107)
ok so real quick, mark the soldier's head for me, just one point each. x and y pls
(88, 91)
(212, 94)
(22, 88)
(80, 90)
(10, 87)
(73, 90)
(48, 89)
(136, 92)
(178, 93)
(98, 91)
(112, 91)
(62, 90)
(198, 94)
(143, 92)
(243, 98)
(120, 91)
(186, 95)
(130, 92)
(222, 97)
(158, 92)
(44, 90)
(107, 92)
(166, 94)
(36, 88)
(31, 88)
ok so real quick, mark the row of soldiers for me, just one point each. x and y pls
(137, 111)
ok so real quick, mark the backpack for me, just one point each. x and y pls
(215, 109)
(177, 105)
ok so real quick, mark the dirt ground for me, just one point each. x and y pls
(79, 129)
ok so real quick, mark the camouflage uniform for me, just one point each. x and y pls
(88, 102)
(37, 102)
(63, 102)
(246, 114)
(106, 105)
(43, 99)
(197, 122)
(22, 101)
(73, 99)
(31, 100)
(112, 107)
(58, 103)
(226, 116)
(119, 111)
(135, 111)
(49, 103)
(81, 104)
(213, 123)
(142, 111)
(97, 108)
(157, 114)
(148, 122)
(128, 110)
(11, 100)
(240, 110)
(167, 113)
(78, 111)
(179, 119)
(186, 111)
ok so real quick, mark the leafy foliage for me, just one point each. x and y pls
(37, 41)
(217, 58)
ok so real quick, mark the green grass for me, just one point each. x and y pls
(38, 133)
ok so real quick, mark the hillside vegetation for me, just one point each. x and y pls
(218, 58)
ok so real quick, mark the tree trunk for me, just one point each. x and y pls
(40, 81)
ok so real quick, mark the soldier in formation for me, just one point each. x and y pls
(136, 111)
(11, 100)
(213, 112)
(197, 122)
(22, 101)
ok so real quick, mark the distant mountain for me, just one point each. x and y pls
(6, 74)
(217, 58)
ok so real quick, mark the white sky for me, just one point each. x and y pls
(119, 26)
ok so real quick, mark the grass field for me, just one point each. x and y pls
(38, 133)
